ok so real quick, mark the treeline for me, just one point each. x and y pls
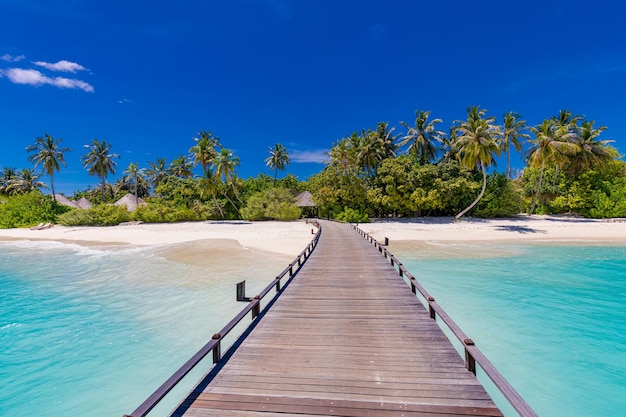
(422, 171)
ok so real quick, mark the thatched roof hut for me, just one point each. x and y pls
(131, 202)
(305, 199)
(83, 203)
(64, 201)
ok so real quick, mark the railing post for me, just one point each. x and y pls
(277, 284)
(400, 272)
(256, 310)
(290, 270)
(470, 362)
(431, 310)
(217, 350)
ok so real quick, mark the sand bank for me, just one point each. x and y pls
(529, 228)
(288, 238)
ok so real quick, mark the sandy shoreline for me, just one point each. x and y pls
(289, 238)
(277, 237)
(522, 228)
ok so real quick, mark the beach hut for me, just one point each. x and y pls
(131, 202)
(64, 201)
(304, 200)
(83, 203)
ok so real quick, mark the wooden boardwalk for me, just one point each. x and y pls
(346, 338)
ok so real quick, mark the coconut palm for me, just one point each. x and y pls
(512, 134)
(548, 147)
(590, 152)
(99, 161)
(278, 159)
(225, 165)
(369, 153)
(25, 181)
(477, 145)
(157, 172)
(341, 154)
(423, 138)
(204, 151)
(7, 175)
(135, 176)
(181, 167)
(46, 152)
(386, 140)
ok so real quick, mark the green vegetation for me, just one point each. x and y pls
(375, 173)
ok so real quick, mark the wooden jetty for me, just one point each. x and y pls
(347, 337)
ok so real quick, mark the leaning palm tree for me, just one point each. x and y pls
(24, 182)
(225, 166)
(423, 138)
(278, 159)
(477, 145)
(46, 152)
(99, 161)
(547, 148)
(386, 140)
(512, 132)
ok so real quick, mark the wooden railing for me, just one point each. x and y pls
(214, 345)
(473, 355)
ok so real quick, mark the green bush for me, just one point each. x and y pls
(102, 215)
(350, 215)
(502, 198)
(29, 209)
(271, 204)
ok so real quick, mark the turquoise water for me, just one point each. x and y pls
(551, 318)
(94, 332)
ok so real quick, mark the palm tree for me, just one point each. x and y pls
(370, 153)
(512, 133)
(590, 152)
(422, 139)
(476, 144)
(24, 182)
(278, 159)
(181, 167)
(48, 154)
(204, 151)
(135, 176)
(157, 172)
(547, 148)
(225, 165)
(7, 175)
(99, 161)
(386, 140)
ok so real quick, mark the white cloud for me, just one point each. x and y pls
(36, 78)
(9, 58)
(63, 66)
(124, 101)
(317, 156)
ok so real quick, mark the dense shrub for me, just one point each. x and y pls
(28, 209)
(102, 215)
(352, 216)
(271, 204)
(502, 198)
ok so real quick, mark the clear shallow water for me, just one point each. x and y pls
(551, 318)
(95, 331)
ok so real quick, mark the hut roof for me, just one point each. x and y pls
(305, 199)
(64, 201)
(83, 203)
(130, 201)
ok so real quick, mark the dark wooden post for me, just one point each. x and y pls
(241, 291)
(386, 241)
(431, 310)
(217, 350)
(470, 362)
(277, 284)
(256, 310)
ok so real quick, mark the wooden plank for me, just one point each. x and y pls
(347, 337)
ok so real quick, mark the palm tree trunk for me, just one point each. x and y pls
(482, 192)
(217, 204)
(508, 163)
(52, 187)
(532, 207)
(103, 184)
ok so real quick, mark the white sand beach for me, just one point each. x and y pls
(289, 238)
(527, 228)
(286, 238)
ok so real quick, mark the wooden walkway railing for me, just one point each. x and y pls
(345, 338)
(215, 345)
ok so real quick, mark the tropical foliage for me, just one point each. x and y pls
(372, 172)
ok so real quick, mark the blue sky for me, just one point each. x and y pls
(147, 76)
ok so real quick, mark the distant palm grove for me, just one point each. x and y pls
(417, 170)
